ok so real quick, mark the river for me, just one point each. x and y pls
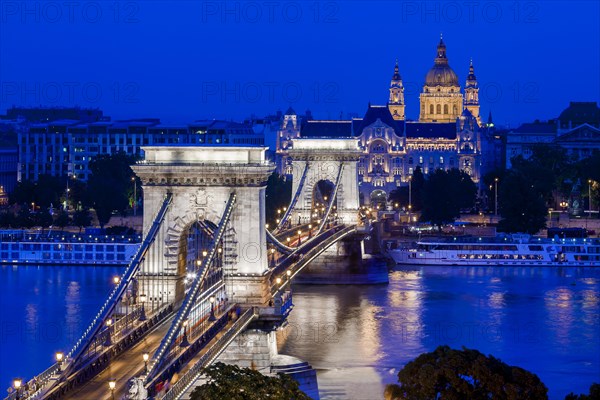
(546, 320)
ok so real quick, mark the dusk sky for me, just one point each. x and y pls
(187, 60)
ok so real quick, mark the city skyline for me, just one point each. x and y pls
(139, 61)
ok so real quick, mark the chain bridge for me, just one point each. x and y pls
(208, 270)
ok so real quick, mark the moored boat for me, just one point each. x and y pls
(63, 248)
(510, 250)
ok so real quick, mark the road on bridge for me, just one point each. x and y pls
(123, 368)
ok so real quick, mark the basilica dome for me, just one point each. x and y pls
(441, 74)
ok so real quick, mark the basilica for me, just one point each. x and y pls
(448, 134)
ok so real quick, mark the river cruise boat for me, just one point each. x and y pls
(513, 250)
(66, 248)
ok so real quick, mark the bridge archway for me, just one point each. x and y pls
(201, 181)
(324, 158)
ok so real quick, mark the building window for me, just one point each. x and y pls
(445, 108)
(441, 160)
(438, 108)
(420, 159)
(410, 160)
(431, 109)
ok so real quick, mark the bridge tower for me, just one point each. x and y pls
(324, 158)
(201, 181)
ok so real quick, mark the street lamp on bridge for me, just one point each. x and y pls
(299, 237)
(184, 341)
(59, 359)
(112, 384)
(145, 357)
(212, 317)
(17, 385)
(108, 341)
(143, 298)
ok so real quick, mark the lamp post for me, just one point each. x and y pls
(589, 198)
(212, 309)
(59, 359)
(143, 298)
(496, 196)
(409, 196)
(299, 237)
(112, 384)
(116, 279)
(67, 196)
(309, 231)
(17, 385)
(108, 341)
(184, 341)
(134, 196)
(145, 357)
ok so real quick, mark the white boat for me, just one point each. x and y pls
(514, 250)
(22, 247)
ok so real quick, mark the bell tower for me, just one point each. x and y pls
(396, 101)
(472, 94)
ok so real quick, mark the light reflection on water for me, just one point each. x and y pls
(44, 309)
(546, 320)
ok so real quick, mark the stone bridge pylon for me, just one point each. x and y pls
(332, 160)
(201, 180)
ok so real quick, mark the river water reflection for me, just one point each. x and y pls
(546, 320)
(543, 319)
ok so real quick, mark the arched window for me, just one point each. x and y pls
(445, 108)
(431, 109)
(438, 108)
(454, 111)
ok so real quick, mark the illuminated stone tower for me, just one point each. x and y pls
(472, 94)
(396, 102)
(441, 99)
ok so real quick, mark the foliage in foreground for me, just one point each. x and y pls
(464, 374)
(234, 383)
(593, 395)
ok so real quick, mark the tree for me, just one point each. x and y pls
(62, 219)
(445, 194)
(43, 219)
(466, 374)
(8, 219)
(109, 184)
(25, 218)
(234, 383)
(277, 195)
(416, 187)
(594, 394)
(82, 218)
(522, 205)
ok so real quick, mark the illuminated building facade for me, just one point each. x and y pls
(447, 134)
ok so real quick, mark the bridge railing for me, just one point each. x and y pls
(295, 198)
(187, 380)
(190, 298)
(40, 380)
(313, 253)
(124, 282)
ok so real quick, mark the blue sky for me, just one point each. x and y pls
(187, 60)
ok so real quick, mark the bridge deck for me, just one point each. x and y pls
(127, 365)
